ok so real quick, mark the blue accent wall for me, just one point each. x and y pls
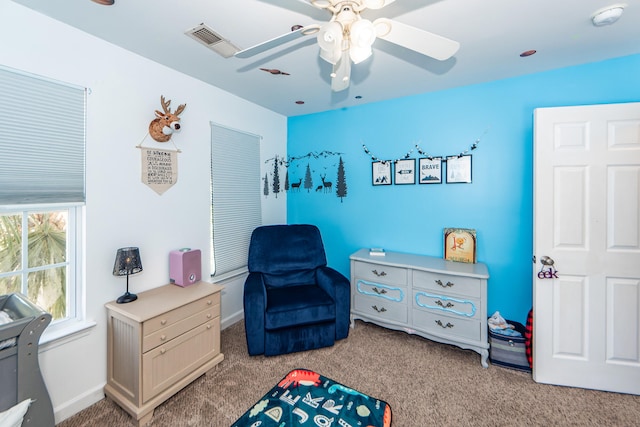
(411, 218)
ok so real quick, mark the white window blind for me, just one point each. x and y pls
(42, 140)
(235, 201)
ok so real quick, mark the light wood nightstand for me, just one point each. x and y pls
(160, 343)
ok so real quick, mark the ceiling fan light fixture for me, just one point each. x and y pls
(363, 34)
(359, 54)
(330, 41)
(608, 15)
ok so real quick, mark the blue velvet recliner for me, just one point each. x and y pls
(292, 300)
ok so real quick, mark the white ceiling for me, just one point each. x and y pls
(492, 34)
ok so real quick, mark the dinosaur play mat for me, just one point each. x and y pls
(306, 398)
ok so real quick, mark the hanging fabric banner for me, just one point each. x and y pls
(159, 168)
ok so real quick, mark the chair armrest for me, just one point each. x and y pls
(255, 306)
(339, 287)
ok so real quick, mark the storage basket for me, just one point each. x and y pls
(509, 351)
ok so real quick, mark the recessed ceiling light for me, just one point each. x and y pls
(607, 15)
(274, 71)
(299, 102)
(527, 53)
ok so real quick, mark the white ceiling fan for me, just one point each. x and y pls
(348, 37)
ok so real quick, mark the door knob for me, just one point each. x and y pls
(548, 261)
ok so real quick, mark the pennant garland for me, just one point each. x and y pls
(472, 147)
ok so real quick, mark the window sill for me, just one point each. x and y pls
(65, 333)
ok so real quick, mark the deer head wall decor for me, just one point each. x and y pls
(165, 123)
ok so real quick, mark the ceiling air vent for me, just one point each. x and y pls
(212, 40)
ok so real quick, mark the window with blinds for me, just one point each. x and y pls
(235, 202)
(42, 193)
(42, 140)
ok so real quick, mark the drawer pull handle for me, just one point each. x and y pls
(209, 302)
(163, 337)
(163, 351)
(209, 316)
(447, 305)
(379, 291)
(208, 326)
(381, 274)
(448, 325)
(448, 285)
(379, 310)
(163, 322)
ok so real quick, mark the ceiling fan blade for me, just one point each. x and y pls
(377, 4)
(424, 42)
(341, 75)
(277, 41)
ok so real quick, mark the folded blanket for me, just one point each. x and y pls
(498, 325)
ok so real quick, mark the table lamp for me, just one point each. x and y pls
(127, 262)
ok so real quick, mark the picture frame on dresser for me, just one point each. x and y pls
(381, 172)
(460, 245)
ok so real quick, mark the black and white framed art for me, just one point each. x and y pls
(459, 169)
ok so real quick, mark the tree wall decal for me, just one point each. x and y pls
(276, 178)
(266, 185)
(308, 181)
(341, 182)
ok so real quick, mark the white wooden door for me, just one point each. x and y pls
(587, 221)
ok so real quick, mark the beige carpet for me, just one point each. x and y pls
(425, 383)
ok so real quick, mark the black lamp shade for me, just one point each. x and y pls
(127, 262)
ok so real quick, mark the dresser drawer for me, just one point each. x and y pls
(453, 306)
(445, 326)
(177, 315)
(440, 283)
(381, 308)
(380, 273)
(175, 329)
(387, 292)
(165, 365)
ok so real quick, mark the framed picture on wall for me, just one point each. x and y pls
(459, 169)
(405, 171)
(381, 172)
(430, 170)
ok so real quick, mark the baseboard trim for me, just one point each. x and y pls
(76, 405)
(230, 320)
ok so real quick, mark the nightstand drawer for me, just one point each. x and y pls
(381, 308)
(440, 283)
(381, 273)
(168, 333)
(439, 324)
(177, 315)
(164, 365)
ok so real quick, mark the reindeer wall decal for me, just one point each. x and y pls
(328, 185)
(165, 123)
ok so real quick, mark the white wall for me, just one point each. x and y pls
(120, 210)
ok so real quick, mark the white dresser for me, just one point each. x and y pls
(443, 301)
